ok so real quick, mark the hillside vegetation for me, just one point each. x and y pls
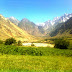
(8, 29)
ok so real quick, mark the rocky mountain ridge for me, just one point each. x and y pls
(56, 20)
(42, 30)
(28, 26)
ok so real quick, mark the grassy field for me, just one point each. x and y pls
(36, 63)
(34, 59)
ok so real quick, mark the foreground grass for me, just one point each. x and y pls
(35, 71)
(35, 63)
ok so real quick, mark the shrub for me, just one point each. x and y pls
(61, 44)
(10, 41)
(19, 43)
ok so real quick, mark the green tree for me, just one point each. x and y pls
(10, 41)
(61, 44)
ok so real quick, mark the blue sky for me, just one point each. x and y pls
(37, 11)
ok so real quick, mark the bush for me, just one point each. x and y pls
(61, 44)
(19, 43)
(1, 42)
(10, 41)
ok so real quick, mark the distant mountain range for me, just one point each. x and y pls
(41, 30)
(28, 26)
(61, 19)
(51, 25)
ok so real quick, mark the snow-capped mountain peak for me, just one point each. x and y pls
(14, 20)
(57, 20)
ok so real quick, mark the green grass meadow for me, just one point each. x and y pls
(34, 59)
(36, 63)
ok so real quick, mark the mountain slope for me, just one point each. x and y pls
(41, 29)
(30, 27)
(8, 29)
(63, 28)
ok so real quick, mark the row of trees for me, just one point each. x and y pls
(11, 41)
(59, 43)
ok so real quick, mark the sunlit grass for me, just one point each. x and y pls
(38, 63)
(35, 71)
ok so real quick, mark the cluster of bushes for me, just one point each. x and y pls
(15, 50)
(61, 44)
(12, 41)
(33, 51)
